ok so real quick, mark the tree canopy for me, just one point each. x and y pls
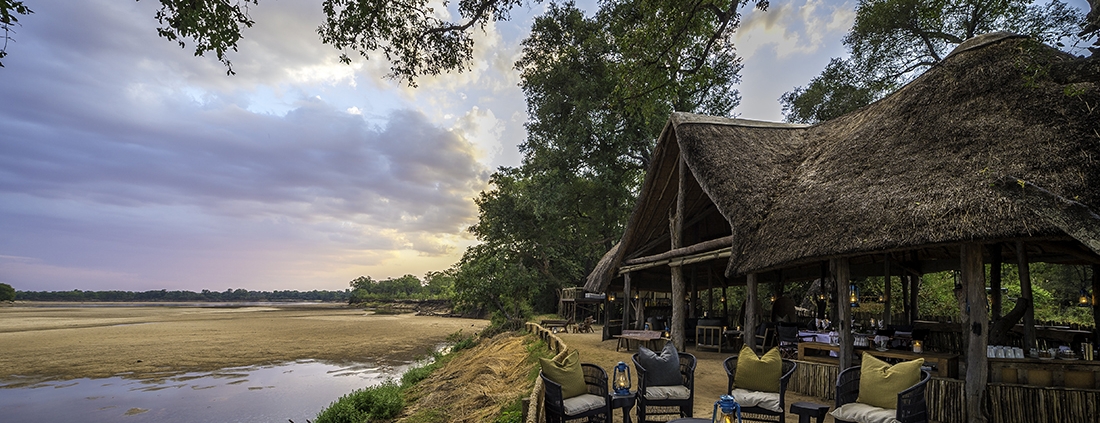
(893, 41)
(9, 9)
(598, 91)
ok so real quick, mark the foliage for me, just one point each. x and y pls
(599, 90)
(214, 25)
(8, 20)
(7, 293)
(436, 285)
(229, 295)
(512, 413)
(382, 401)
(893, 41)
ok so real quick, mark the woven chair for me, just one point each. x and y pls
(788, 340)
(595, 379)
(912, 407)
(760, 413)
(683, 407)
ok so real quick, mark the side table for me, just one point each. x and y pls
(806, 410)
(625, 402)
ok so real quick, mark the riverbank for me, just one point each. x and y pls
(59, 343)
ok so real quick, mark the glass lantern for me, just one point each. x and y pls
(621, 379)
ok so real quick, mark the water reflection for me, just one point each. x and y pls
(277, 393)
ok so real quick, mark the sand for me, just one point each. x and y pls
(51, 343)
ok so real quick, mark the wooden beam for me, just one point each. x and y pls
(844, 312)
(973, 280)
(1024, 270)
(714, 244)
(749, 332)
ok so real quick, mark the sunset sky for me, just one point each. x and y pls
(127, 163)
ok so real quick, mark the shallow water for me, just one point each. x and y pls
(277, 393)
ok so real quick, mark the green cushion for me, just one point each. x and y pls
(565, 370)
(880, 383)
(758, 373)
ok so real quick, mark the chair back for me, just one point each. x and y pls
(787, 334)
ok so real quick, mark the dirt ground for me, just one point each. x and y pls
(53, 343)
(710, 376)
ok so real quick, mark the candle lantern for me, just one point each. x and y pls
(731, 410)
(853, 295)
(1084, 300)
(621, 379)
(918, 346)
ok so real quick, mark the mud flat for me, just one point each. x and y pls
(58, 343)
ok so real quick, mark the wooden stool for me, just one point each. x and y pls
(805, 410)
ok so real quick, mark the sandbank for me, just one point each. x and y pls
(58, 343)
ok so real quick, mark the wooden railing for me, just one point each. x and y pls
(534, 406)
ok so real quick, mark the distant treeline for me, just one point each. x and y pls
(229, 295)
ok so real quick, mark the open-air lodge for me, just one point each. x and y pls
(992, 155)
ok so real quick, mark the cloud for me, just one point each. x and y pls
(793, 29)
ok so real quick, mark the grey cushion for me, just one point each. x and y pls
(678, 392)
(582, 403)
(662, 369)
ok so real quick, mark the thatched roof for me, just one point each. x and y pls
(914, 171)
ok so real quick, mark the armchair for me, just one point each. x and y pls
(911, 407)
(761, 412)
(681, 396)
(595, 405)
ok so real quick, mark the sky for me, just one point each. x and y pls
(128, 163)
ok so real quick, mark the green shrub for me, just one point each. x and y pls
(7, 293)
(459, 342)
(379, 402)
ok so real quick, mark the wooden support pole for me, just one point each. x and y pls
(627, 298)
(844, 312)
(1024, 271)
(887, 286)
(749, 332)
(676, 230)
(995, 280)
(1096, 301)
(977, 329)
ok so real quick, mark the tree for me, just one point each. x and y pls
(8, 20)
(416, 42)
(7, 293)
(893, 41)
(599, 90)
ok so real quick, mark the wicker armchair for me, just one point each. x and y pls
(645, 402)
(759, 413)
(912, 407)
(595, 378)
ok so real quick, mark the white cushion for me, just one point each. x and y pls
(863, 413)
(582, 403)
(676, 392)
(765, 400)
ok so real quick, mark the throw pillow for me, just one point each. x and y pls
(565, 370)
(880, 383)
(758, 373)
(661, 369)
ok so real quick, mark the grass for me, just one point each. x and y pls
(385, 401)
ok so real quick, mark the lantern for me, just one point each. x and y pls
(1084, 300)
(731, 410)
(918, 346)
(611, 297)
(621, 379)
(853, 295)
